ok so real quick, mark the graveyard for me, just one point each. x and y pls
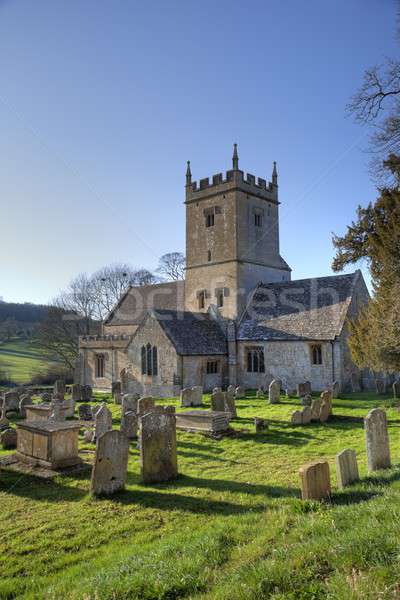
(231, 524)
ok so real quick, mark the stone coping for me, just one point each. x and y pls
(49, 426)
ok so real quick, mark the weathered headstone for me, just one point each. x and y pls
(88, 435)
(274, 391)
(315, 480)
(291, 393)
(315, 409)
(325, 411)
(129, 403)
(59, 388)
(346, 468)
(259, 393)
(157, 436)
(380, 386)
(116, 390)
(76, 392)
(86, 393)
(145, 405)
(11, 402)
(306, 415)
(102, 421)
(57, 412)
(303, 389)
(296, 418)
(111, 463)
(24, 401)
(85, 412)
(8, 439)
(197, 395)
(260, 424)
(335, 389)
(326, 396)
(306, 400)
(355, 382)
(240, 392)
(377, 439)
(230, 405)
(230, 390)
(186, 397)
(218, 401)
(69, 404)
(4, 422)
(217, 389)
(396, 390)
(129, 424)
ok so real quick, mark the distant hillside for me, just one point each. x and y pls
(19, 319)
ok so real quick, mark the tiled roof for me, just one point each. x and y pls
(304, 309)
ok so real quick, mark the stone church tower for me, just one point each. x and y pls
(232, 239)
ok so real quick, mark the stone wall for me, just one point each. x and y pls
(195, 372)
(114, 361)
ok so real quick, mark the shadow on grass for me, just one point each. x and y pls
(353, 497)
(35, 488)
(224, 485)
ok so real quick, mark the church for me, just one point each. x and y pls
(238, 317)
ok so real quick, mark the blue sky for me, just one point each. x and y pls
(102, 103)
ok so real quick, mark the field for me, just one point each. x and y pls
(20, 361)
(231, 527)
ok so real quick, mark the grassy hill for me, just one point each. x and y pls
(231, 527)
(20, 361)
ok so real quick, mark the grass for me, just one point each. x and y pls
(231, 527)
(20, 361)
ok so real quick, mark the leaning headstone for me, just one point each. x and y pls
(315, 480)
(230, 405)
(129, 424)
(346, 468)
(11, 402)
(306, 415)
(59, 388)
(157, 436)
(240, 392)
(259, 393)
(335, 389)
(296, 418)
(218, 401)
(396, 390)
(315, 409)
(303, 389)
(24, 401)
(274, 391)
(8, 439)
(145, 405)
(260, 424)
(306, 400)
(102, 421)
(111, 463)
(85, 412)
(377, 439)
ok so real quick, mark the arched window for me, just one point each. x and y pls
(316, 354)
(144, 363)
(255, 360)
(99, 365)
(149, 359)
(155, 361)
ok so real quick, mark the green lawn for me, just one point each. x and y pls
(231, 527)
(20, 360)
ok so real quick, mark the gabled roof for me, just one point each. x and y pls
(137, 300)
(303, 309)
(191, 333)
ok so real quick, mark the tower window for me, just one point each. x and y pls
(316, 354)
(212, 367)
(255, 360)
(100, 365)
(219, 293)
(209, 255)
(258, 219)
(149, 356)
(202, 299)
(210, 219)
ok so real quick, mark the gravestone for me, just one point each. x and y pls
(315, 409)
(24, 401)
(85, 412)
(231, 390)
(380, 386)
(11, 402)
(145, 405)
(45, 397)
(186, 397)
(197, 395)
(69, 405)
(240, 392)
(157, 437)
(296, 418)
(260, 424)
(291, 393)
(111, 463)
(346, 468)
(76, 392)
(303, 389)
(86, 393)
(230, 405)
(306, 415)
(335, 389)
(129, 403)
(217, 389)
(306, 400)
(218, 401)
(59, 388)
(259, 393)
(315, 480)
(129, 424)
(355, 382)
(116, 390)
(4, 422)
(326, 396)
(274, 391)
(57, 410)
(88, 436)
(325, 411)
(102, 421)
(8, 439)
(396, 390)
(377, 440)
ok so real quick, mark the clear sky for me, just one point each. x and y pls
(102, 102)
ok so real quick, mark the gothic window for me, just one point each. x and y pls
(316, 354)
(212, 367)
(258, 219)
(219, 293)
(149, 356)
(202, 299)
(210, 219)
(99, 365)
(255, 360)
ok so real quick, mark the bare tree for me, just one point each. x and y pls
(143, 277)
(172, 266)
(109, 283)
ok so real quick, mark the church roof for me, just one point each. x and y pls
(192, 333)
(137, 300)
(303, 309)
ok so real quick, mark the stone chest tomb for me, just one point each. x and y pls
(48, 444)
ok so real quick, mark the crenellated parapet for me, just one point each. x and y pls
(104, 341)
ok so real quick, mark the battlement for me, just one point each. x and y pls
(106, 341)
